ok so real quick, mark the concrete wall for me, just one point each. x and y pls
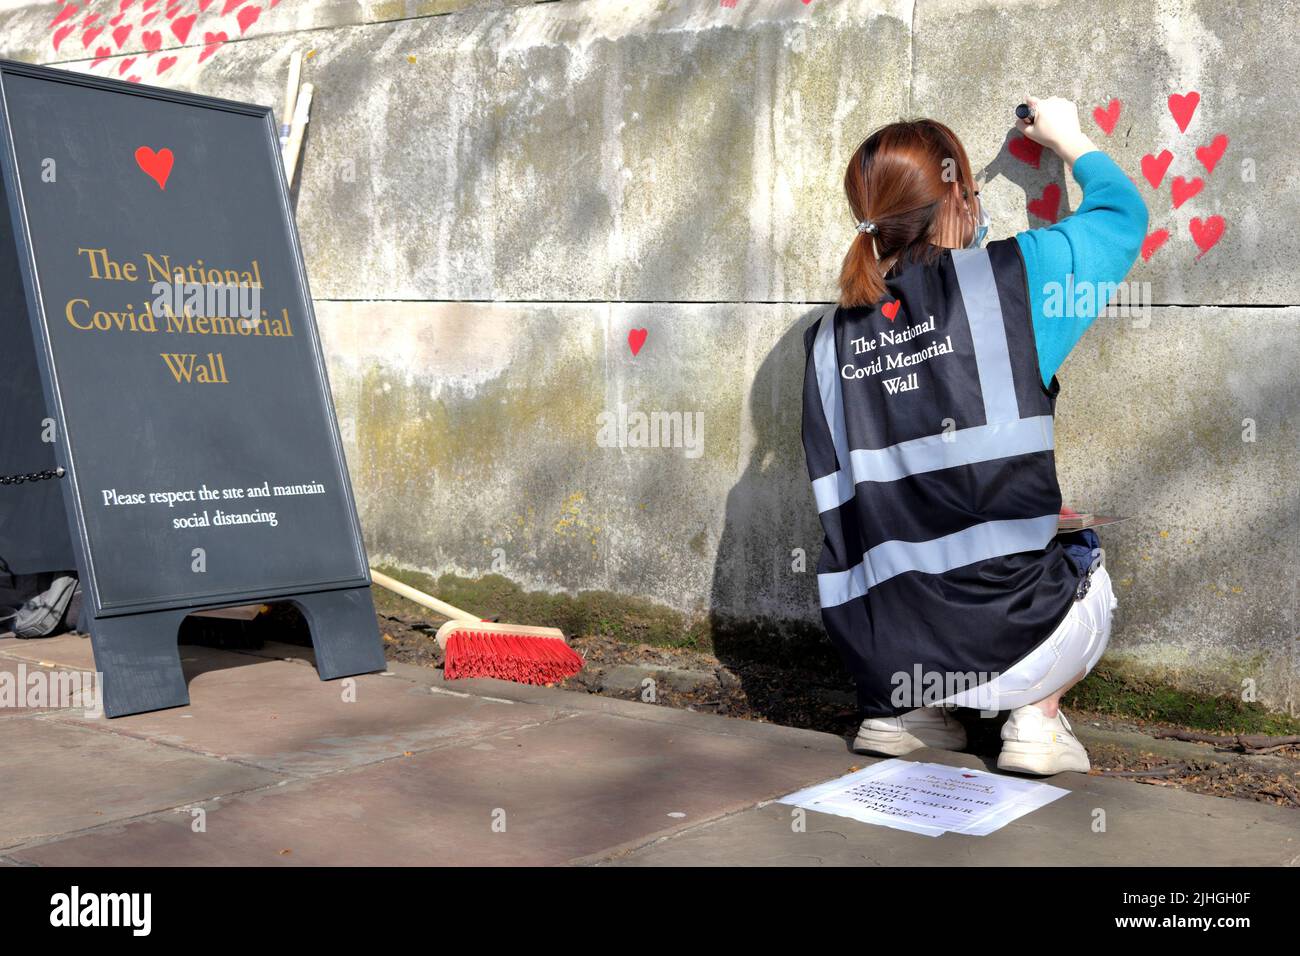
(494, 194)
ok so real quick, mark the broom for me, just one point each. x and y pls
(475, 648)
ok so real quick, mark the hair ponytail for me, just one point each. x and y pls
(900, 179)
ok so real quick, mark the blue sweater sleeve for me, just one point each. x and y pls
(1098, 244)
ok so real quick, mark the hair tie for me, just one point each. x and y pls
(869, 227)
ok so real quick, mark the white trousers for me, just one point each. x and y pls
(1073, 648)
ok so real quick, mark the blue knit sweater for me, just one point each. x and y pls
(1097, 244)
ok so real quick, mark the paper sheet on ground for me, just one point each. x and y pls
(927, 798)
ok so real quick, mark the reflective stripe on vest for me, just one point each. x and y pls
(1005, 434)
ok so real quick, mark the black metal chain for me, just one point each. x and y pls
(19, 479)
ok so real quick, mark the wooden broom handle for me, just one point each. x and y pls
(420, 598)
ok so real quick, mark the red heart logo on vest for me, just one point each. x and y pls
(1182, 190)
(1181, 108)
(1047, 206)
(1026, 150)
(1206, 234)
(1108, 117)
(1153, 167)
(891, 310)
(1153, 242)
(636, 339)
(157, 166)
(1210, 155)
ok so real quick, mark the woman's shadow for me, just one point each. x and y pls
(764, 616)
(1035, 170)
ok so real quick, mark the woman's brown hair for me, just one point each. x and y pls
(913, 180)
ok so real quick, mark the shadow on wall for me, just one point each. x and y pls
(1037, 171)
(764, 615)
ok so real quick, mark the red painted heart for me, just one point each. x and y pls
(1210, 155)
(636, 339)
(181, 26)
(230, 5)
(66, 12)
(890, 309)
(1154, 167)
(152, 40)
(102, 53)
(89, 36)
(121, 33)
(165, 64)
(1181, 108)
(1206, 234)
(157, 166)
(1108, 117)
(211, 42)
(1182, 190)
(62, 32)
(1153, 242)
(1026, 150)
(125, 65)
(1047, 206)
(246, 17)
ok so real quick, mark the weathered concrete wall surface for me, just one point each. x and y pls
(495, 194)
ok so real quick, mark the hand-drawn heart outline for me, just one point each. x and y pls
(1153, 242)
(1210, 155)
(1206, 234)
(1026, 150)
(1048, 205)
(1181, 108)
(1182, 190)
(1155, 167)
(1108, 117)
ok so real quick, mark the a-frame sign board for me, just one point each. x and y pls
(158, 343)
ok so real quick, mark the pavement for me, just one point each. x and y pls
(270, 766)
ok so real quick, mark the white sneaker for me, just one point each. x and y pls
(923, 727)
(1034, 743)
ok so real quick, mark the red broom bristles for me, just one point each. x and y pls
(524, 659)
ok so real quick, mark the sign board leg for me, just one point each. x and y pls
(343, 632)
(138, 657)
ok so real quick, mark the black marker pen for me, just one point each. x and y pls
(1025, 112)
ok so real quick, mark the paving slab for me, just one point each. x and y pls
(15, 678)
(279, 715)
(1102, 822)
(57, 777)
(563, 789)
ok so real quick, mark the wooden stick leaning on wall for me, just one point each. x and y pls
(300, 116)
(290, 98)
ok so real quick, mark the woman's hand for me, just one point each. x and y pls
(1056, 126)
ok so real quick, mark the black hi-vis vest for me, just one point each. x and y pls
(929, 441)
